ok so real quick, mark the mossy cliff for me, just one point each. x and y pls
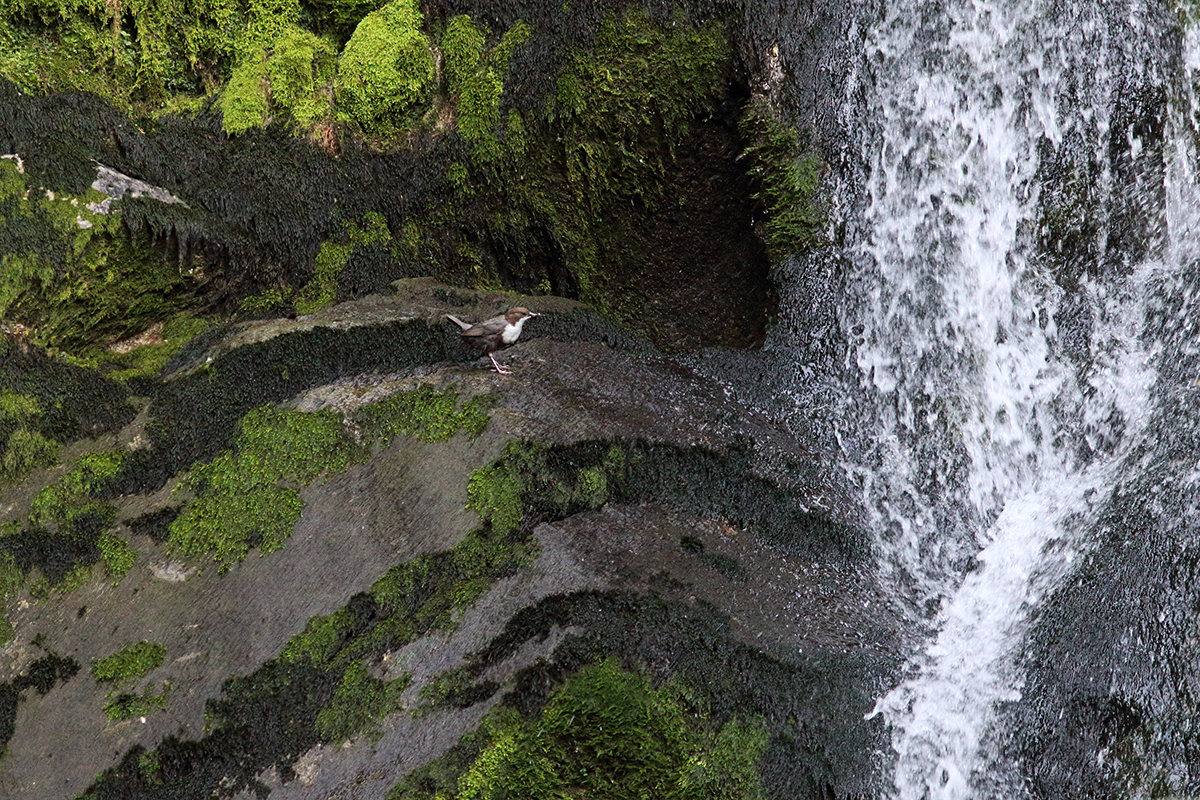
(606, 153)
(251, 482)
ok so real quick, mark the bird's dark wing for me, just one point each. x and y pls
(489, 327)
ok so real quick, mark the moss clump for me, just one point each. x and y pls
(302, 69)
(386, 67)
(59, 506)
(244, 103)
(527, 473)
(291, 78)
(130, 664)
(360, 700)
(425, 414)
(475, 79)
(462, 48)
(117, 555)
(494, 492)
(607, 733)
(127, 705)
(788, 175)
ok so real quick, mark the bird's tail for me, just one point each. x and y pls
(457, 321)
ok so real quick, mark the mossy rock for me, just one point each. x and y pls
(386, 67)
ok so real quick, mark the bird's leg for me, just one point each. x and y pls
(496, 364)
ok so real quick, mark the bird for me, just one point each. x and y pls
(495, 333)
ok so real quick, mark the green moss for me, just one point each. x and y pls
(117, 555)
(598, 157)
(25, 449)
(244, 102)
(71, 274)
(462, 48)
(360, 700)
(475, 77)
(608, 734)
(494, 492)
(788, 175)
(425, 414)
(130, 664)
(60, 505)
(302, 69)
(332, 257)
(127, 705)
(148, 360)
(320, 639)
(386, 67)
(18, 407)
(266, 20)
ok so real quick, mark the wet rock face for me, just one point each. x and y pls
(657, 521)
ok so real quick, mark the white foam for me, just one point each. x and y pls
(981, 418)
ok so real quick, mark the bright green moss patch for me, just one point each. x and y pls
(788, 175)
(302, 69)
(116, 553)
(462, 48)
(606, 733)
(244, 103)
(475, 77)
(291, 77)
(127, 705)
(59, 506)
(361, 699)
(494, 492)
(425, 414)
(24, 449)
(129, 664)
(385, 68)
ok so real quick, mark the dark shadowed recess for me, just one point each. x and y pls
(74, 403)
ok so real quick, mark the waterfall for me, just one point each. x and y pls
(996, 325)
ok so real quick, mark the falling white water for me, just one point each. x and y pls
(994, 445)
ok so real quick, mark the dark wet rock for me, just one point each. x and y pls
(722, 550)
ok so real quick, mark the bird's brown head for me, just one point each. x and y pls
(518, 313)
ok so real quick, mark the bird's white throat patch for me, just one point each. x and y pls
(512, 332)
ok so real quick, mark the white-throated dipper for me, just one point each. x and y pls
(495, 333)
